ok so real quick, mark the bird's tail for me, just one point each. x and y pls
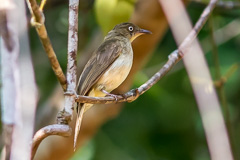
(80, 111)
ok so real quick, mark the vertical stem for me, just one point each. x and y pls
(71, 66)
(72, 45)
(220, 88)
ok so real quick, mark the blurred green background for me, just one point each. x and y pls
(164, 123)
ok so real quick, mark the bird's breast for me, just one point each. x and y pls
(117, 72)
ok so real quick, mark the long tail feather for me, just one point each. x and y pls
(78, 123)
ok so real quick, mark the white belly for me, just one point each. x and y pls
(116, 73)
(113, 77)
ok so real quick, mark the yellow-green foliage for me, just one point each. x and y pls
(112, 12)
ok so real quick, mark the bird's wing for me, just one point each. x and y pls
(101, 60)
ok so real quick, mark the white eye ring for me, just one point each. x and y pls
(130, 28)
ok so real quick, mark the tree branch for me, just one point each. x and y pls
(223, 79)
(65, 116)
(227, 5)
(56, 129)
(38, 19)
(134, 93)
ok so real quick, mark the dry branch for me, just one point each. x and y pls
(134, 93)
(226, 5)
(56, 129)
(38, 19)
(65, 116)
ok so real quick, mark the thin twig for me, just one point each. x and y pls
(56, 129)
(198, 26)
(43, 2)
(226, 5)
(42, 32)
(222, 80)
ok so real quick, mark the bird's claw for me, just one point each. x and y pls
(135, 95)
(111, 95)
(114, 96)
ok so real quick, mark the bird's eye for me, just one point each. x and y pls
(130, 28)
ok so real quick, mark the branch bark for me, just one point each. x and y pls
(226, 5)
(56, 129)
(65, 116)
(133, 94)
(38, 19)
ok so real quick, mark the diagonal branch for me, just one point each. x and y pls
(226, 5)
(38, 17)
(134, 93)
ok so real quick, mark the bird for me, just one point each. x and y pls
(108, 67)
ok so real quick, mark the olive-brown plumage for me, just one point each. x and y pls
(108, 67)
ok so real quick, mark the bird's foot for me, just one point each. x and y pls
(109, 94)
(135, 95)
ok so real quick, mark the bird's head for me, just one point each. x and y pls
(130, 31)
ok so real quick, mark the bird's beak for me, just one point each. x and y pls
(144, 31)
(139, 33)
